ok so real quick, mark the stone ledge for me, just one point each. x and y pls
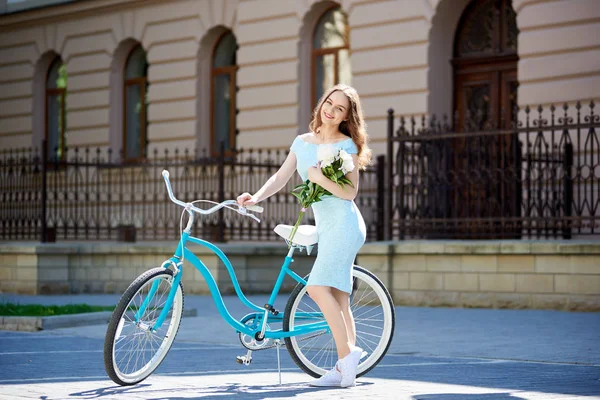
(490, 247)
(33, 324)
(399, 247)
(464, 299)
(145, 248)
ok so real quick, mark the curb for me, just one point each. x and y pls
(34, 324)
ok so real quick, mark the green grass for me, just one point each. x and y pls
(38, 310)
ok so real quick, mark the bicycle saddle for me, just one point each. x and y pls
(306, 235)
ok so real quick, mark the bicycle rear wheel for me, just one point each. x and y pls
(132, 350)
(371, 305)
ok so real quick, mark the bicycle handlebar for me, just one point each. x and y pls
(190, 206)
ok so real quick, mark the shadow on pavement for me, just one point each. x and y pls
(231, 389)
(110, 391)
(466, 396)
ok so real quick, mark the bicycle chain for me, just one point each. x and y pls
(271, 346)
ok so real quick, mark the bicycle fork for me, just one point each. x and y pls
(167, 305)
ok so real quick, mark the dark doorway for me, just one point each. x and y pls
(485, 96)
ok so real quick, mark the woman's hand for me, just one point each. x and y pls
(315, 174)
(246, 199)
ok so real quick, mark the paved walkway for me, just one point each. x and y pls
(436, 354)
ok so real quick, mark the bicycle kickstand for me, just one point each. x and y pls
(278, 345)
(245, 360)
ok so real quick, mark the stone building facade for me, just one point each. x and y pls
(397, 53)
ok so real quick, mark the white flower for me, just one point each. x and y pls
(345, 156)
(347, 162)
(326, 155)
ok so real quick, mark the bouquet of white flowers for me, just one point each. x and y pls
(335, 164)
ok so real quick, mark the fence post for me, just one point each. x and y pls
(388, 183)
(400, 198)
(44, 237)
(221, 166)
(380, 197)
(568, 194)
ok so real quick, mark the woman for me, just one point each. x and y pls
(337, 121)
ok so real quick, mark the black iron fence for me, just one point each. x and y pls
(537, 176)
(87, 195)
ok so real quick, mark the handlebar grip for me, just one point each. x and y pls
(255, 208)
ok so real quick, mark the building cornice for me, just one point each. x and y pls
(68, 11)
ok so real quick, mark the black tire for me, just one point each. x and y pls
(122, 316)
(374, 356)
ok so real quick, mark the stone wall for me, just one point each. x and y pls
(110, 268)
(561, 275)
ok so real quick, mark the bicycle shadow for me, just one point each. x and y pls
(108, 391)
(467, 396)
(206, 392)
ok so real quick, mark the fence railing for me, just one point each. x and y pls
(537, 178)
(87, 195)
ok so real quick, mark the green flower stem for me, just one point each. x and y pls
(300, 216)
(315, 196)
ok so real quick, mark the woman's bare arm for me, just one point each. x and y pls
(275, 183)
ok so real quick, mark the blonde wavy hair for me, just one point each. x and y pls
(354, 127)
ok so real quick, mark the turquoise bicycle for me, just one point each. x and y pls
(145, 322)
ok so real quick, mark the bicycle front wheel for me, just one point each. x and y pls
(132, 349)
(374, 317)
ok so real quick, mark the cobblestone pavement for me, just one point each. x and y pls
(437, 354)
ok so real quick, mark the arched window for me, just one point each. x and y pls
(330, 53)
(135, 87)
(223, 93)
(56, 110)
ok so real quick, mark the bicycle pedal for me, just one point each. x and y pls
(243, 360)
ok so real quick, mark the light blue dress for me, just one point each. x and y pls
(339, 223)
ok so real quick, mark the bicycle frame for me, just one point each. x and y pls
(216, 294)
(183, 253)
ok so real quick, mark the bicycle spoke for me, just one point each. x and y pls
(365, 317)
(312, 340)
(127, 340)
(367, 341)
(130, 358)
(364, 312)
(323, 351)
(364, 305)
(367, 325)
(371, 320)
(369, 334)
